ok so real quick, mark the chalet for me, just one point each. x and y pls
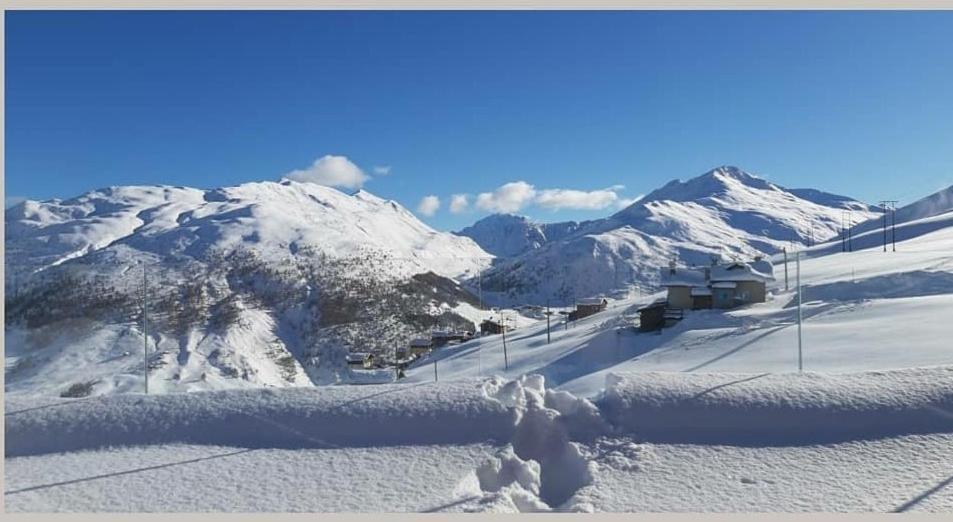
(360, 361)
(491, 327)
(443, 338)
(421, 346)
(682, 283)
(587, 307)
(737, 284)
(717, 286)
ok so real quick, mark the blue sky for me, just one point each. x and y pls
(586, 109)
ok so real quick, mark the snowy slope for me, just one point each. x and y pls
(261, 284)
(854, 304)
(726, 211)
(923, 216)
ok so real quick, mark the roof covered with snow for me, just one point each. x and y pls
(683, 277)
(755, 271)
(592, 301)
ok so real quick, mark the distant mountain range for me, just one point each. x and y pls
(273, 283)
(725, 211)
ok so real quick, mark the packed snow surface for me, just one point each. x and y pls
(491, 445)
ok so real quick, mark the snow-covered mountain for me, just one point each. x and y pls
(258, 284)
(275, 219)
(509, 235)
(726, 211)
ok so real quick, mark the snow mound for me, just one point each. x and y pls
(267, 418)
(543, 467)
(768, 409)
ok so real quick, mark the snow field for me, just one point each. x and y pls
(771, 409)
(326, 417)
(511, 445)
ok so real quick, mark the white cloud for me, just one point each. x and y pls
(382, 170)
(459, 203)
(332, 171)
(559, 199)
(428, 205)
(507, 198)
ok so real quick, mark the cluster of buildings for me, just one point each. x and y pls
(719, 286)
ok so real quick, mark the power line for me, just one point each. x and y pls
(884, 203)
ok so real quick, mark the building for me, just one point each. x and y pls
(421, 346)
(491, 327)
(652, 317)
(442, 338)
(360, 361)
(587, 307)
(684, 284)
(717, 286)
(737, 284)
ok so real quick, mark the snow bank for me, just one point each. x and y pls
(335, 416)
(780, 408)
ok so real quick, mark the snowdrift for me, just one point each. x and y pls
(332, 417)
(780, 409)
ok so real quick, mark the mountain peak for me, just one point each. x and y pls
(720, 180)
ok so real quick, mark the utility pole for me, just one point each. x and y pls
(145, 326)
(506, 361)
(843, 233)
(850, 234)
(480, 279)
(893, 226)
(785, 269)
(883, 205)
(548, 313)
(800, 356)
(435, 371)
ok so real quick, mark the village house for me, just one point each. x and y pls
(491, 327)
(443, 338)
(717, 286)
(421, 346)
(587, 307)
(360, 361)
